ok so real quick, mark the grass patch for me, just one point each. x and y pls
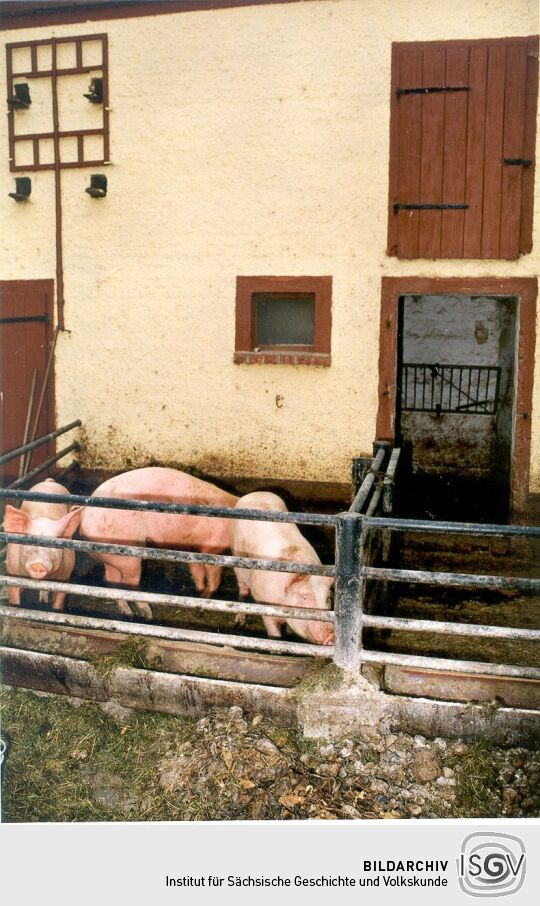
(70, 763)
(324, 678)
(131, 653)
(476, 781)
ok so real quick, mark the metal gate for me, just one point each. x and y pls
(362, 556)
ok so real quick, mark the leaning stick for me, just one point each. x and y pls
(27, 422)
(41, 398)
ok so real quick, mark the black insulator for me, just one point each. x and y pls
(98, 186)
(95, 91)
(21, 99)
(23, 188)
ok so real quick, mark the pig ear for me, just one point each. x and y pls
(16, 520)
(70, 522)
(297, 580)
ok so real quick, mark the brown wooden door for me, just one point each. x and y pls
(26, 333)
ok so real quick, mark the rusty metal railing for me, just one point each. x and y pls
(351, 572)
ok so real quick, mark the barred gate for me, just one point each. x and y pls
(363, 561)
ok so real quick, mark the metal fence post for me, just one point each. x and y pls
(348, 591)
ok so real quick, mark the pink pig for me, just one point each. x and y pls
(280, 541)
(54, 520)
(193, 533)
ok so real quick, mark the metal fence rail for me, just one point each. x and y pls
(187, 509)
(272, 646)
(439, 626)
(454, 580)
(451, 528)
(28, 476)
(159, 598)
(159, 553)
(361, 538)
(45, 438)
(376, 492)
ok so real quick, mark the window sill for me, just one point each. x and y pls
(322, 359)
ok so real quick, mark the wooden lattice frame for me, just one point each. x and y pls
(54, 73)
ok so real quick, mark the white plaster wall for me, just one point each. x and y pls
(243, 141)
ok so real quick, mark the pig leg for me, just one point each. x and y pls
(58, 600)
(44, 597)
(14, 595)
(128, 574)
(206, 577)
(212, 575)
(197, 574)
(243, 587)
(112, 577)
(273, 627)
(243, 592)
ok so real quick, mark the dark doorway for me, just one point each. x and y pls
(455, 403)
(26, 334)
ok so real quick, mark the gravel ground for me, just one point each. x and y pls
(75, 761)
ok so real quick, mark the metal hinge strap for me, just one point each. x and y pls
(433, 89)
(517, 161)
(429, 207)
(43, 319)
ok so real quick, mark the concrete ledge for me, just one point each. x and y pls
(328, 703)
(499, 725)
(186, 658)
(147, 690)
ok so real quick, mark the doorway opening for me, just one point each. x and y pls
(455, 403)
(456, 366)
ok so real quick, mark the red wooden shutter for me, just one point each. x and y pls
(462, 145)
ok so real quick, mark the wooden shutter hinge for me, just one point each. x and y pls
(433, 89)
(429, 207)
(42, 319)
(517, 161)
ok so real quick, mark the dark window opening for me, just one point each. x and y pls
(284, 319)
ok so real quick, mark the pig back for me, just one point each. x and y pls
(161, 485)
(279, 540)
(268, 541)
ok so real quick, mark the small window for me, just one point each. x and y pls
(283, 320)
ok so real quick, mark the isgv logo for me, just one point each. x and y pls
(491, 865)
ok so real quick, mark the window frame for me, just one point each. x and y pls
(247, 353)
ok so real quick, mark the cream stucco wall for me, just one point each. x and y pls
(243, 141)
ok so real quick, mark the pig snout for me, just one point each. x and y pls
(37, 570)
(320, 633)
(327, 635)
(39, 565)
(312, 592)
